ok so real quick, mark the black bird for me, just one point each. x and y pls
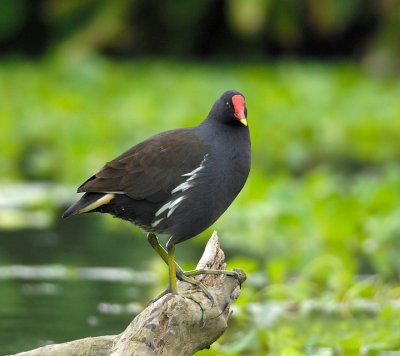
(178, 182)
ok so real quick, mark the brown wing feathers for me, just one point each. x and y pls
(151, 169)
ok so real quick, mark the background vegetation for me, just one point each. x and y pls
(317, 227)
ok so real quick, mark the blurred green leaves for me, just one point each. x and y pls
(333, 16)
(326, 141)
(304, 115)
(316, 226)
(193, 28)
(248, 17)
(322, 212)
(12, 17)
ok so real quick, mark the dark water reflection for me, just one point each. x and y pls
(70, 311)
(78, 279)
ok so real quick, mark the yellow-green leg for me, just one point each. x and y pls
(180, 274)
(153, 241)
(197, 272)
(172, 288)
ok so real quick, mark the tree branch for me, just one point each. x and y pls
(172, 325)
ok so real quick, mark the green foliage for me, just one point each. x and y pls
(355, 217)
(12, 17)
(237, 28)
(316, 227)
(304, 116)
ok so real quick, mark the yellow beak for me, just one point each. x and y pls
(243, 121)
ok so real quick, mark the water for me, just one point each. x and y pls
(62, 280)
(85, 276)
(37, 313)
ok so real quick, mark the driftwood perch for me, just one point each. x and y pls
(172, 325)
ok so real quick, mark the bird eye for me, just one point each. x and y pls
(227, 103)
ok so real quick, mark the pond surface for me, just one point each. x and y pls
(85, 276)
(62, 280)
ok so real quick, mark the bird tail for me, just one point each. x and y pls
(88, 202)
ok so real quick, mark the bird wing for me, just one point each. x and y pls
(151, 169)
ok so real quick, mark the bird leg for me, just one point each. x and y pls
(153, 241)
(172, 280)
(197, 272)
(180, 274)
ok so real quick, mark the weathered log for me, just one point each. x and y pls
(178, 324)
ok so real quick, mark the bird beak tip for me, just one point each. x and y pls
(243, 121)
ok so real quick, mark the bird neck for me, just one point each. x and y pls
(213, 130)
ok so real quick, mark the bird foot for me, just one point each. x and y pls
(187, 277)
(198, 272)
(183, 277)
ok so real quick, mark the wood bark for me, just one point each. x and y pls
(175, 324)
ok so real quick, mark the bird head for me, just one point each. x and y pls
(230, 108)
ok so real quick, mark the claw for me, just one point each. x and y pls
(197, 272)
(183, 277)
(176, 270)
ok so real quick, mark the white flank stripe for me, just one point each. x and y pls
(194, 171)
(176, 202)
(155, 223)
(183, 186)
(171, 211)
(163, 208)
(174, 205)
(192, 175)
